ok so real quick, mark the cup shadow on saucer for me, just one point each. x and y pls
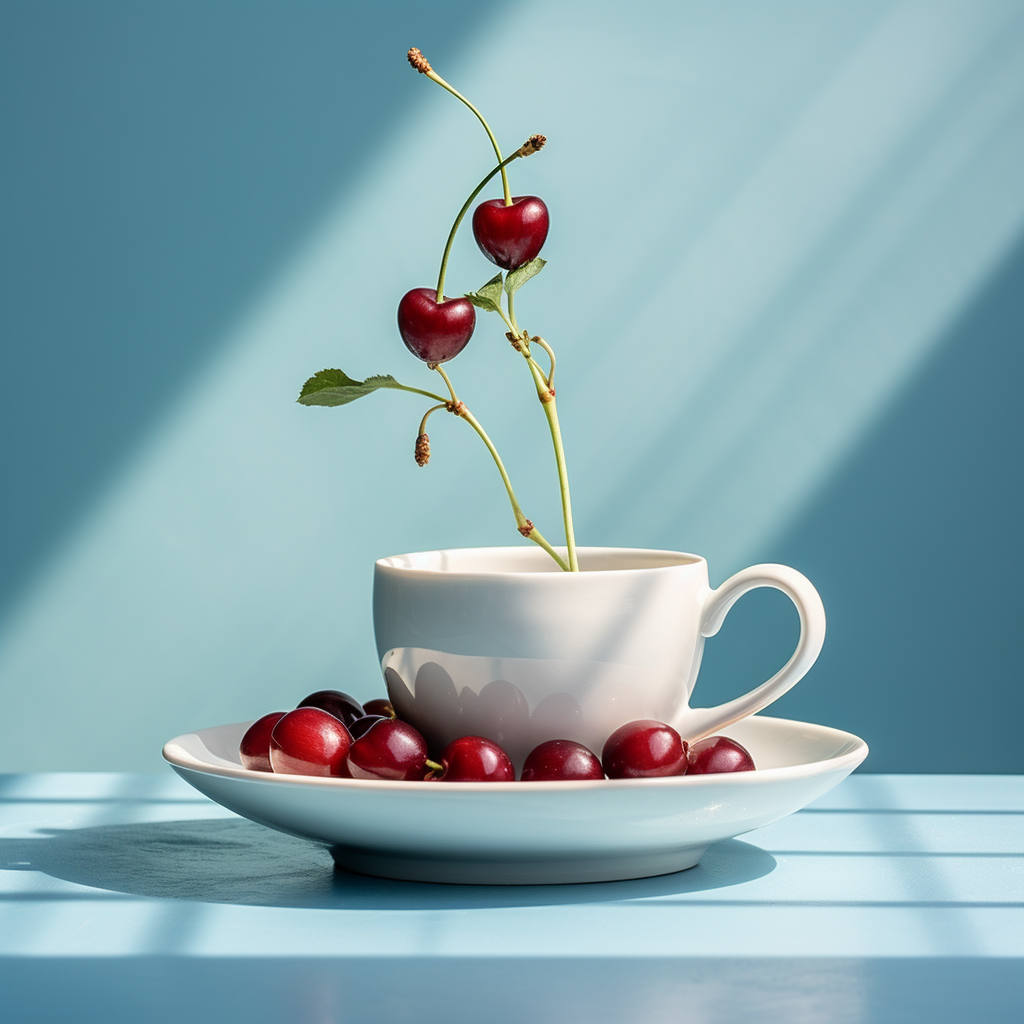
(231, 860)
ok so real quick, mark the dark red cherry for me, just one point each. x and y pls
(389, 749)
(474, 759)
(343, 706)
(510, 236)
(644, 749)
(719, 754)
(309, 741)
(560, 759)
(363, 725)
(435, 331)
(379, 706)
(254, 750)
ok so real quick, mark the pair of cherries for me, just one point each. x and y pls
(508, 236)
(331, 734)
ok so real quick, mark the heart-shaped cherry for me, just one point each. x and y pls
(254, 750)
(309, 741)
(560, 759)
(474, 759)
(342, 705)
(719, 754)
(389, 749)
(644, 749)
(435, 331)
(510, 236)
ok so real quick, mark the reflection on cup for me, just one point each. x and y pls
(516, 702)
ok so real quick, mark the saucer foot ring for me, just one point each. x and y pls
(517, 870)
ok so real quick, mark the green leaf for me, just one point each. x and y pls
(518, 277)
(335, 387)
(489, 296)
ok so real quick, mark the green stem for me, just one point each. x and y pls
(462, 213)
(547, 401)
(451, 389)
(512, 314)
(546, 395)
(523, 524)
(541, 541)
(435, 77)
(508, 323)
(426, 415)
(551, 355)
(419, 391)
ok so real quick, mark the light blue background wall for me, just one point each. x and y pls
(786, 285)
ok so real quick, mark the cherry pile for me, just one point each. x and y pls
(331, 734)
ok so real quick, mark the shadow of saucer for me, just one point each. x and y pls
(231, 860)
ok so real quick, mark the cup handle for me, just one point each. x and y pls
(700, 722)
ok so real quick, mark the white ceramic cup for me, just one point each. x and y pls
(499, 642)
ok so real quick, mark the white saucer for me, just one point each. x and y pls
(527, 832)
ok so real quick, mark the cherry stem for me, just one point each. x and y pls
(462, 213)
(546, 394)
(551, 355)
(419, 391)
(426, 415)
(511, 325)
(451, 389)
(523, 525)
(435, 77)
(512, 314)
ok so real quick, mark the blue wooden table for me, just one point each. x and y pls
(132, 898)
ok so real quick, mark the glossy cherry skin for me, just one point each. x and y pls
(719, 754)
(510, 236)
(364, 725)
(380, 706)
(389, 749)
(560, 760)
(254, 750)
(342, 705)
(645, 749)
(474, 759)
(309, 741)
(435, 331)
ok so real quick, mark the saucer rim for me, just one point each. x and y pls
(853, 752)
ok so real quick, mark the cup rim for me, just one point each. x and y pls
(546, 569)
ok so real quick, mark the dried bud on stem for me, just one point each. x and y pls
(532, 145)
(419, 62)
(527, 528)
(422, 450)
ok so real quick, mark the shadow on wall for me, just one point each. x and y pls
(181, 174)
(915, 546)
(161, 164)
